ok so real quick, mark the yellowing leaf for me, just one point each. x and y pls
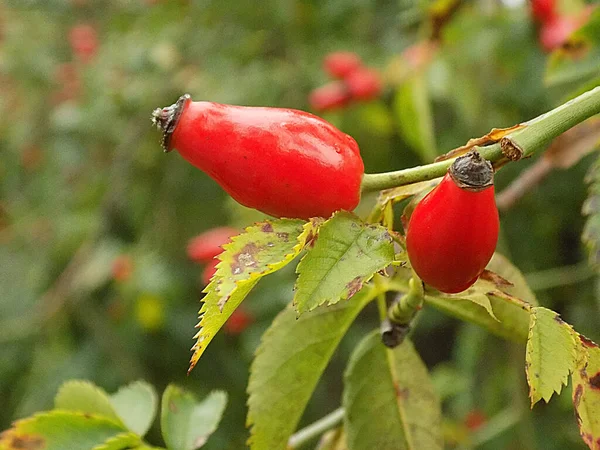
(345, 255)
(586, 393)
(550, 354)
(262, 249)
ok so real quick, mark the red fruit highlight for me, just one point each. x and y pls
(283, 162)
(331, 96)
(364, 84)
(341, 64)
(452, 232)
(204, 247)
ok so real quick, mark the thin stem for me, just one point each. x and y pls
(559, 276)
(403, 311)
(536, 134)
(316, 429)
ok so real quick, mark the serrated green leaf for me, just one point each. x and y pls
(85, 397)
(586, 393)
(123, 441)
(136, 405)
(289, 362)
(414, 117)
(512, 319)
(591, 209)
(186, 423)
(389, 399)
(262, 249)
(346, 254)
(212, 318)
(520, 289)
(577, 60)
(60, 430)
(550, 354)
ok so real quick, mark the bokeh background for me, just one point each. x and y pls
(95, 282)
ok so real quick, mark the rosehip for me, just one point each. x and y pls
(122, 267)
(364, 84)
(84, 41)
(475, 419)
(452, 232)
(544, 10)
(555, 33)
(204, 247)
(330, 96)
(238, 321)
(283, 162)
(341, 64)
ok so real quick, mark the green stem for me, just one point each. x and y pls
(403, 311)
(534, 136)
(316, 429)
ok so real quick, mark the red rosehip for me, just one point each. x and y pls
(238, 321)
(452, 232)
(84, 41)
(341, 64)
(333, 95)
(122, 268)
(209, 271)
(475, 419)
(204, 247)
(544, 10)
(283, 162)
(555, 33)
(364, 84)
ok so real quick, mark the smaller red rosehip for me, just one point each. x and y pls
(204, 247)
(475, 419)
(331, 96)
(238, 321)
(341, 64)
(452, 233)
(544, 10)
(122, 268)
(364, 84)
(84, 41)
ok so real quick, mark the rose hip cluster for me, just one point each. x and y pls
(353, 82)
(554, 27)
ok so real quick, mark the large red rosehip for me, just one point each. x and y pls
(364, 84)
(341, 64)
(452, 232)
(331, 96)
(283, 162)
(204, 247)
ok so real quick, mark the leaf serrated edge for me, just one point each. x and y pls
(344, 296)
(301, 241)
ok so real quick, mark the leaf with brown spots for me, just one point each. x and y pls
(346, 254)
(586, 392)
(262, 249)
(492, 137)
(389, 399)
(60, 430)
(551, 354)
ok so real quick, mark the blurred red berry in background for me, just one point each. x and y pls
(475, 419)
(341, 64)
(364, 84)
(238, 322)
(333, 95)
(84, 41)
(204, 247)
(544, 10)
(122, 268)
(209, 271)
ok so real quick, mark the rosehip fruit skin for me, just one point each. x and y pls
(283, 162)
(329, 97)
(364, 84)
(452, 233)
(341, 64)
(204, 247)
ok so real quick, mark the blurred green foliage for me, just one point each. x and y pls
(83, 182)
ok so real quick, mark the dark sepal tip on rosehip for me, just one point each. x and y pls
(452, 232)
(283, 162)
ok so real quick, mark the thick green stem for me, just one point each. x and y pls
(403, 311)
(536, 135)
(316, 429)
